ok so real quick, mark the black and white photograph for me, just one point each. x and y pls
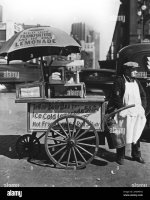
(74, 96)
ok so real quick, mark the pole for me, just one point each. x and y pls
(42, 69)
(142, 27)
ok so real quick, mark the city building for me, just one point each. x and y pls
(82, 33)
(90, 42)
(132, 25)
(142, 26)
(1, 13)
(121, 36)
(7, 29)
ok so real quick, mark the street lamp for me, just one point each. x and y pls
(142, 7)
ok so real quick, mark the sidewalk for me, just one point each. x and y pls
(103, 171)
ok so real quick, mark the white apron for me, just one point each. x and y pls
(132, 120)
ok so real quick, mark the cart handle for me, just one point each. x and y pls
(116, 111)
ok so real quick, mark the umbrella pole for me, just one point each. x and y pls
(44, 76)
(42, 70)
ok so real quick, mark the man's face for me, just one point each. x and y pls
(131, 72)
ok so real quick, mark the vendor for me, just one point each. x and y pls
(127, 90)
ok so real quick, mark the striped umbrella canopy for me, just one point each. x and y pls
(37, 42)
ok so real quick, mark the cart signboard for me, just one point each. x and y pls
(41, 115)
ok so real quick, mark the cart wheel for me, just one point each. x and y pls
(27, 146)
(68, 144)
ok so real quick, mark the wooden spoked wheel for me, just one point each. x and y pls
(27, 146)
(71, 142)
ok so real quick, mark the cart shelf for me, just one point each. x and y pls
(49, 100)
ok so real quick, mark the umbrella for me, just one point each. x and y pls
(37, 42)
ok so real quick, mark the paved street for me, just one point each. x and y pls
(102, 172)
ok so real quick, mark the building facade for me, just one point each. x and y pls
(7, 29)
(121, 36)
(132, 25)
(90, 42)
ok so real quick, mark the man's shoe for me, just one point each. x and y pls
(120, 161)
(139, 159)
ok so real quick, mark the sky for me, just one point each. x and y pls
(99, 14)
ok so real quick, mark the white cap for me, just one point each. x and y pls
(131, 64)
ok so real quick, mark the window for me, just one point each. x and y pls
(2, 35)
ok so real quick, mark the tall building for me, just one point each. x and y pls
(1, 13)
(7, 29)
(121, 36)
(90, 42)
(81, 31)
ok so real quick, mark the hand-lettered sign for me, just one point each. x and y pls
(34, 38)
(43, 114)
